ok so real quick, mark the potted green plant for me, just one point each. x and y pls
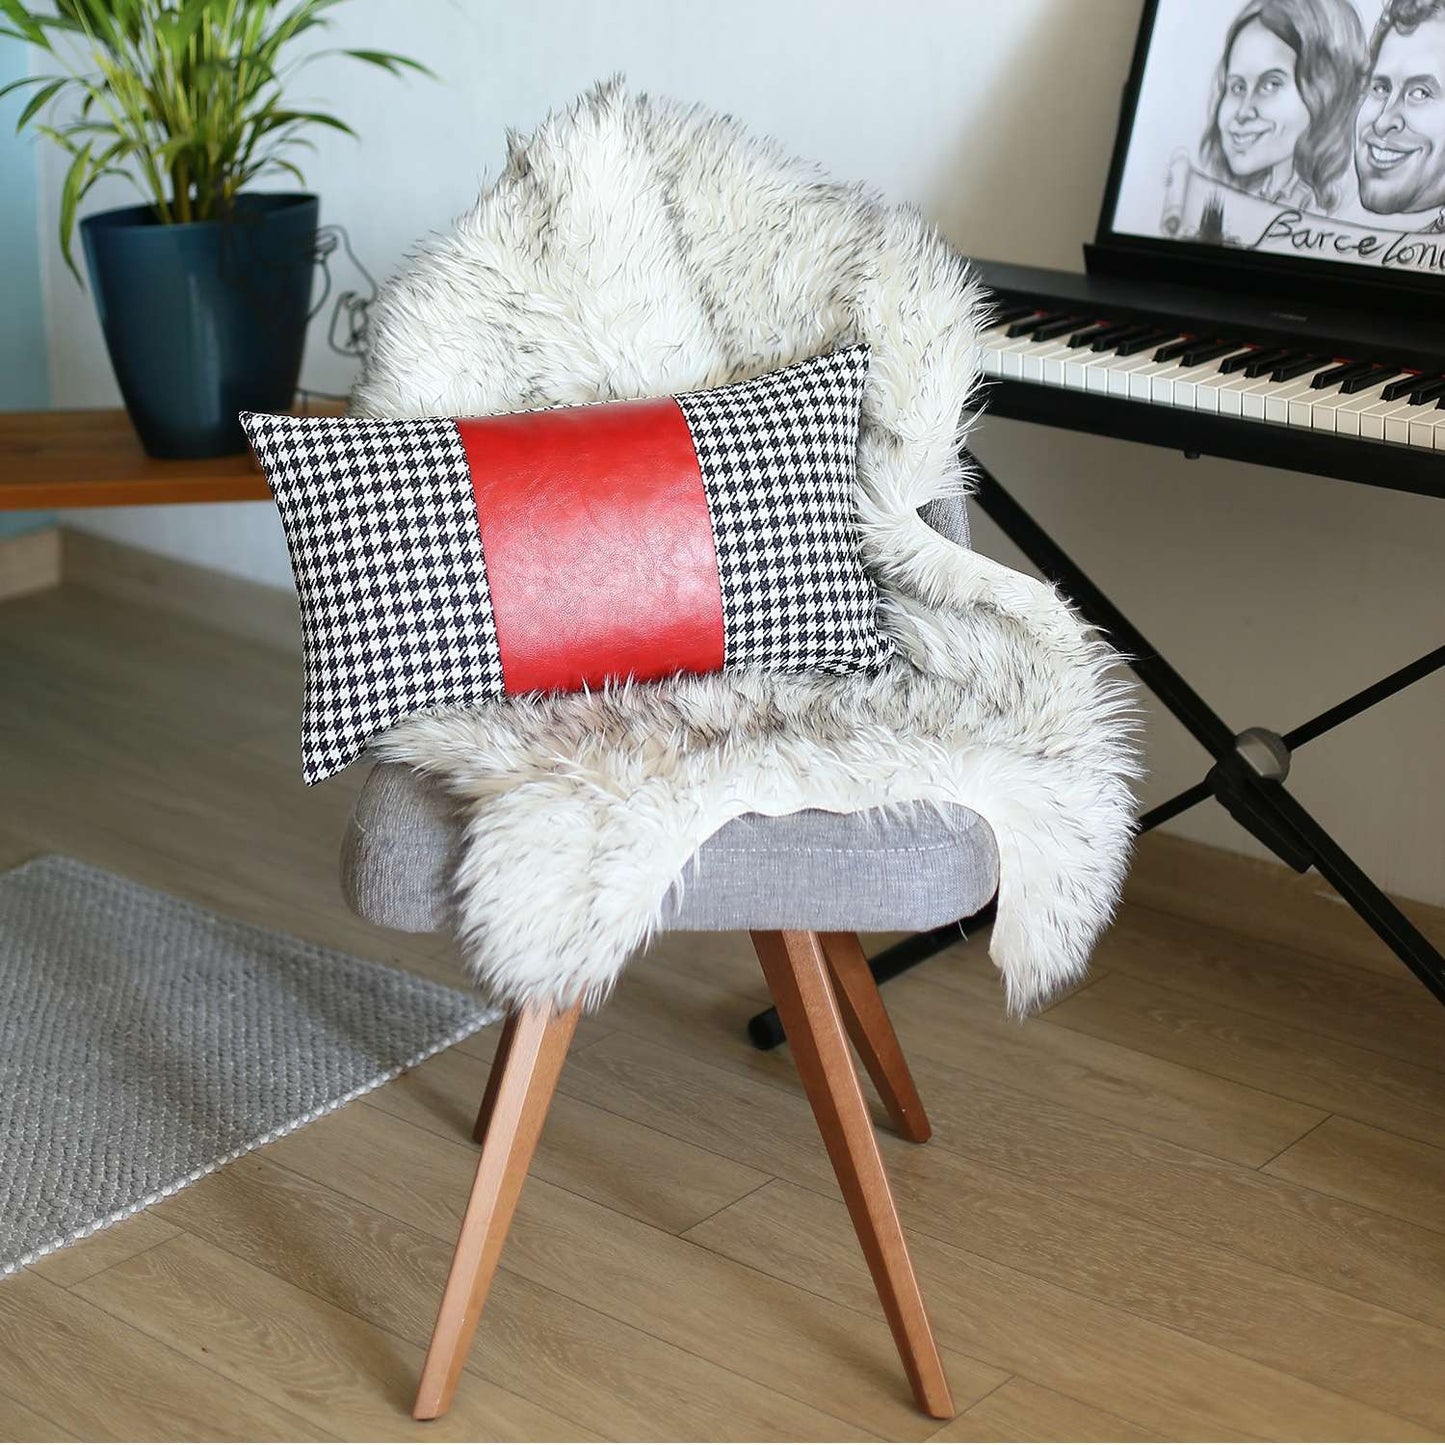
(204, 288)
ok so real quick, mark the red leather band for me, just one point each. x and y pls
(598, 544)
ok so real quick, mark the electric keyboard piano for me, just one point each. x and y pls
(1335, 393)
(1238, 308)
(1352, 393)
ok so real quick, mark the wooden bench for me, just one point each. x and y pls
(55, 459)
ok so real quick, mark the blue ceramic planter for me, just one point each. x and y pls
(204, 320)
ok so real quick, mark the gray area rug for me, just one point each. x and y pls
(145, 1042)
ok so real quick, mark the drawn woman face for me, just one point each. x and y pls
(1261, 115)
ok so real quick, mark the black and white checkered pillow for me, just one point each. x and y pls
(396, 582)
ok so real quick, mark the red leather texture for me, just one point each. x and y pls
(597, 543)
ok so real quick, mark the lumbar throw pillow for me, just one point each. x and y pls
(443, 562)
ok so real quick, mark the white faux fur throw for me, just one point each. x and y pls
(633, 247)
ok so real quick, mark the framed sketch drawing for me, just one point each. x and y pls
(1298, 134)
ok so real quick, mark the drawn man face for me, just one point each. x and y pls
(1261, 115)
(1400, 130)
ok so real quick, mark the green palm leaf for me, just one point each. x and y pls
(184, 98)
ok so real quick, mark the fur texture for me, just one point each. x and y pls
(633, 247)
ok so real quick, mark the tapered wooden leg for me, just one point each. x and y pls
(526, 1076)
(797, 974)
(871, 1030)
(494, 1079)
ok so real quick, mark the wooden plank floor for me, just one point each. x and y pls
(1201, 1198)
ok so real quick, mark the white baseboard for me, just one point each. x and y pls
(29, 563)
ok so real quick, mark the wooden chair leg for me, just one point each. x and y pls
(797, 974)
(871, 1030)
(526, 1071)
(494, 1079)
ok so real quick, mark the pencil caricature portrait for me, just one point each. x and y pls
(1313, 128)
(1282, 122)
(1400, 131)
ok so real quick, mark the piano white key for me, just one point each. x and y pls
(1186, 387)
(1011, 356)
(1206, 392)
(1231, 394)
(1031, 366)
(1253, 401)
(1034, 358)
(1119, 374)
(1428, 430)
(1347, 413)
(1076, 371)
(1299, 406)
(1055, 362)
(1011, 361)
(1399, 421)
(993, 344)
(1414, 426)
(1024, 357)
(988, 362)
(1277, 405)
(1141, 380)
(1372, 419)
(1202, 394)
(1325, 412)
(1093, 373)
(1162, 382)
(1174, 386)
(1295, 403)
(1315, 410)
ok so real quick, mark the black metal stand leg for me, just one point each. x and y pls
(1366, 698)
(1089, 600)
(1247, 777)
(1361, 892)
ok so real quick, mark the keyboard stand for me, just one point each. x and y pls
(1247, 778)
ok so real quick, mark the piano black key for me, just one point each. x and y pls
(1176, 348)
(1112, 339)
(1084, 337)
(1368, 379)
(1238, 361)
(1142, 343)
(1051, 329)
(1429, 388)
(1300, 366)
(1265, 361)
(1206, 351)
(1342, 372)
(1005, 315)
(1402, 386)
(1104, 338)
(1031, 322)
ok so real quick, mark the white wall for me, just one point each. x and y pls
(1274, 593)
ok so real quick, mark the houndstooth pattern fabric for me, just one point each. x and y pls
(397, 618)
(395, 612)
(779, 458)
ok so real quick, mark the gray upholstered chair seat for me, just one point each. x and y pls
(909, 868)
